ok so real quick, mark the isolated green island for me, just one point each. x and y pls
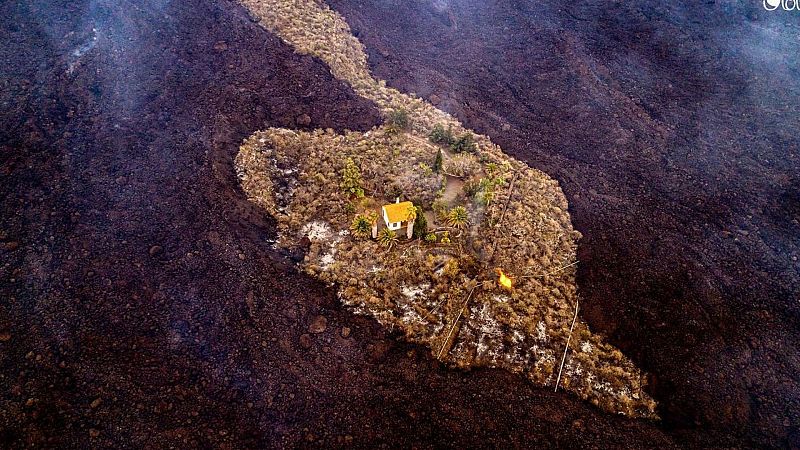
(429, 265)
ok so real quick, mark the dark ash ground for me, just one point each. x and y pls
(142, 304)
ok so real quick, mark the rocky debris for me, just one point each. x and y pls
(156, 250)
(345, 332)
(11, 246)
(95, 403)
(318, 325)
(306, 341)
(5, 336)
(377, 352)
(94, 432)
(303, 120)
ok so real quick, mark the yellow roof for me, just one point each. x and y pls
(397, 212)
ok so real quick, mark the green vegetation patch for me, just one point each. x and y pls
(440, 287)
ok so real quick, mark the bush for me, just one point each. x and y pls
(439, 208)
(398, 120)
(471, 187)
(351, 179)
(463, 165)
(458, 218)
(430, 238)
(437, 163)
(464, 144)
(387, 238)
(393, 191)
(420, 224)
(361, 226)
(440, 136)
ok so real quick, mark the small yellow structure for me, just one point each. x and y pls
(396, 216)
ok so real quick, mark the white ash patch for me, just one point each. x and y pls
(317, 231)
(327, 259)
(515, 355)
(409, 315)
(573, 368)
(488, 330)
(412, 292)
(542, 355)
(499, 298)
(541, 332)
(321, 232)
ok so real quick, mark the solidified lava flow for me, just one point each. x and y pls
(172, 277)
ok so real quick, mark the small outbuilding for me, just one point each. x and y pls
(398, 215)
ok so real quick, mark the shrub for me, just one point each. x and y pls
(430, 238)
(394, 191)
(440, 136)
(439, 208)
(464, 144)
(462, 165)
(420, 224)
(351, 179)
(387, 238)
(437, 163)
(471, 187)
(398, 120)
(457, 217)
(361, 226)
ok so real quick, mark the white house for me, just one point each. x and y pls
(396, 216)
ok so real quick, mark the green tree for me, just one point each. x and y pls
(440, 136)
(437, 163)
(351, 179)
(464, 143)
(398, 120)
(420, 224)
(387, 238)
(361, 226)
(457, 217)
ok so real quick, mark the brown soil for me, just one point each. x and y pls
(672, 130)
(142, 305)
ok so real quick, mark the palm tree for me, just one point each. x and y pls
(387, 238)
(457, 217)
(361, 226)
